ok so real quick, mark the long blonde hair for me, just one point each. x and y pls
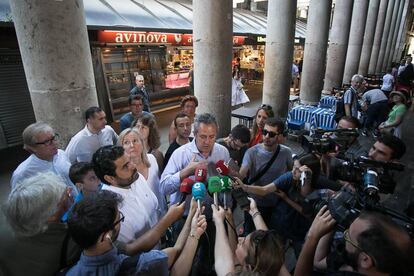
(121, 139)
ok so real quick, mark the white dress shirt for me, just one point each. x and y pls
(33, 165)
(84, 144)
(139, 207)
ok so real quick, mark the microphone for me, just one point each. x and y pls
(222, 167)
(200, 173)
(226, 185)
(214, 187)
(303, 176)
(199, 193)
(185, 188)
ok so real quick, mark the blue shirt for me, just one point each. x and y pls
(154, 262)
(181, 157)
(127, 119)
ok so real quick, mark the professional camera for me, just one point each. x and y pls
(324, 141)
(370, 176)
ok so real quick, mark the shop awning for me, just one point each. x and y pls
(153, 15)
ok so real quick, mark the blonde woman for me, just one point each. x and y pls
(145, 163)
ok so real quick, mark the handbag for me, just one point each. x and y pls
(265, 168)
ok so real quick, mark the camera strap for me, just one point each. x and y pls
(266, 168)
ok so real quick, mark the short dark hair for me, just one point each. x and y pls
(381, 242)
(179, 115)
(351, 120)
(189, 98)
(276, 122)
(136, 97)
(90, 112)
(241, 132)
(78, 171)
(103, 161)
(93, 216)
(394, 143)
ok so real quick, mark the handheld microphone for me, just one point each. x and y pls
(199, 193)
(214, 187)
(226, 185)
(185, 188)
(200, 173)
(222, 167)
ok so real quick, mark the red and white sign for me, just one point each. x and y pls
(152, 38)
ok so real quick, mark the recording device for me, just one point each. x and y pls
(222, 167)
(240, 196)
(200, 173)
(199, 193)
(226, 186)
(324, 141)
(214, 187)
(303, 177)
(185, 188)
(373, 176)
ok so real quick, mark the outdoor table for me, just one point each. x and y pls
(245, 115)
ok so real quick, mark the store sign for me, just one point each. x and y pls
(152, 38)
(261, 39)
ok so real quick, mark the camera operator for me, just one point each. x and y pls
(373, 245)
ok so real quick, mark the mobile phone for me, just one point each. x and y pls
(241, 198)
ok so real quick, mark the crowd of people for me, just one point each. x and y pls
(115, 205)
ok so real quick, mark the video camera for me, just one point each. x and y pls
(371, 176)
(324, 141)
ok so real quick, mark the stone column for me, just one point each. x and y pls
(398, 29)
(390, 40)
(377, 37)
(384, 38)
(338, 44)
(407, 16)
(55, 50)
(316, 44)
(213, 43)
(356, 36)
(368, 36)
(281, 20)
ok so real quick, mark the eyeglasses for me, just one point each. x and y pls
(131, 143)
(49, 141)
(121, 219)
(348, 239)
(271, 133)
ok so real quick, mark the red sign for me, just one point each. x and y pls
(152, 38)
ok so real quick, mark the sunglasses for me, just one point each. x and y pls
(271, 133)
(49, 141)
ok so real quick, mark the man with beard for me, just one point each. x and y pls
(254, 166)
(139, 206)
(373, 245)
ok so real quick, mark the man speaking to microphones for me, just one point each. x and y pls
(184, 161)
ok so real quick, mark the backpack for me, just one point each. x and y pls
(340, 106)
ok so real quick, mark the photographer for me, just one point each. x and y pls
(289, 218)
(373, 245)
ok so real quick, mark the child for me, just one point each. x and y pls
(83, 176)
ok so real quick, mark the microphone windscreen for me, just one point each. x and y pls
(200, 173)
(186, 185)
(222, 168)
(226, 184)
(214, 184)
(199, 191)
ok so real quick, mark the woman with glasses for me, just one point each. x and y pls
(262, 114)
(259, 253)
(148, 131)
(145, 163)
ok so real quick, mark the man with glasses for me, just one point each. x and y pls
(136, 106)
(94, 135)
(237, 142)
(374, 245)
(255, 166)
(42, 142)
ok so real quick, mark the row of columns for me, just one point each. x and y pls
(366, 36)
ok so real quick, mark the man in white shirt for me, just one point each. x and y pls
(140, 204)
(95, 135)
(387, 83)
(41, 141)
